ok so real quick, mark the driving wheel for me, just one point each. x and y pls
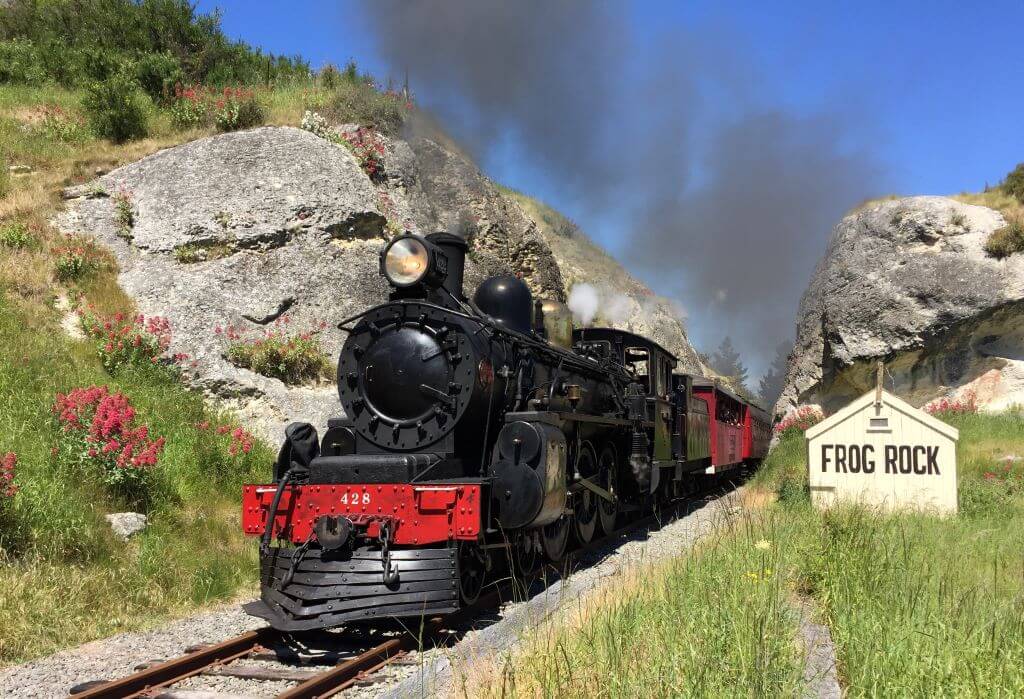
(607, 472)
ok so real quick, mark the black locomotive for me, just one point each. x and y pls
(477, 431)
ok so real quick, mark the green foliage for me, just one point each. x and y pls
(359, 103)
(62, 126)
(15, 234)
(158, 73)
(78, 259)
(290, 358)
(116, 109)
(329, 77)
(189, 110)
(1007, 240)
(77, 42)
(64, 578)
(238, 109)
(1014, 183)
(20, 63)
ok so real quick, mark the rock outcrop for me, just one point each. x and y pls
(241, 229)
(907, 281)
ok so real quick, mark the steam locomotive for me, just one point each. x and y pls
(478, 432)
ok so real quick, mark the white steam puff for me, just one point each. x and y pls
(586, 301)
(583, 302)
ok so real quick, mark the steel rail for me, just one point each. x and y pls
(178, 669)
(149, 681)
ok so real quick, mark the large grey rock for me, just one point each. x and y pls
(285, 223)
(908, 281)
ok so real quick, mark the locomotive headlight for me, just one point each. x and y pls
(406, 260)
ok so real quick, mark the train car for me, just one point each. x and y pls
(479, 433)
(757, 434)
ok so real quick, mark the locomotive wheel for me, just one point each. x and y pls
(607, 511)
(585, 506)
(523, 554)
(471, 572)
(554, 538)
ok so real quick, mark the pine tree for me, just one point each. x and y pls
(774, 379)
(726, 362)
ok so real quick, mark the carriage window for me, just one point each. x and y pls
(638, 359)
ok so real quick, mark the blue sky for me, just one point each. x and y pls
(937, 88)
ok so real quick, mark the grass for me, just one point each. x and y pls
(917, 605)
(1007, 240)
(64, 578)
(717, 623)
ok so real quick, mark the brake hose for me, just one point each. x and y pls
(268, 532)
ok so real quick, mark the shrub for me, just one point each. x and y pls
(20, 63)
(315, 124)
(100, 437)
(238, 108)
(116, 108)
(58, 125)
(15, 235)
(78, 258)
(967, 404)
(189, 109)
(123, 341)
(7, 486)
(157, 74)
(368, 148)
(290, 357)
(1007, 240)
(801, 420)
(362, 104)
(1014, 183)
(124, 215)
(329, 77)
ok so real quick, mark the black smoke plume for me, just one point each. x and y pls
(723, 200)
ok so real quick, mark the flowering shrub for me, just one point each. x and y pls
(237, 108)
(57, 125)
(290, 357)
(124, 215)
(189, 109)
(77, 258)
(804, 418)
(7, 464)
(99, 434)
(368, 148)
(967, 404)
(315, 123)
(239, 441)
(124, 340)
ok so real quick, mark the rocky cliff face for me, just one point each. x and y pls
(242, 229)
(908, 281)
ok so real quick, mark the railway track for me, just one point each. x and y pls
(275, 664)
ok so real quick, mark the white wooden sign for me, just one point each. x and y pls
(882, 451)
